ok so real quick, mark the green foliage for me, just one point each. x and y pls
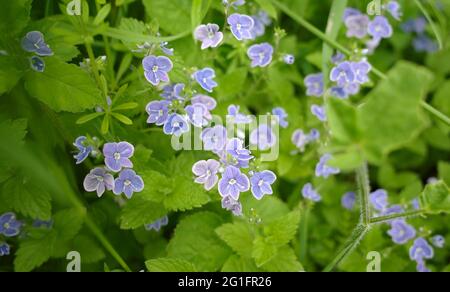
(436, 198)
(170, 265)
(43, 244)
(196, 242)
(73, 90)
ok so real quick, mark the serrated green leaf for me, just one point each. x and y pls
(33, 252)
(263, 251)
(284, 261)
(186, 195)
(170, 265)
(238, 236)
(236, 264)
(195, 241)
(282, 230)
(138, 211)
(29, 200)
(73, 90)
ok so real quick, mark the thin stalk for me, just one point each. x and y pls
(362, 178)
(383, 219)
(356, 237)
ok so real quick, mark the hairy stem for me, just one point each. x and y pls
(356, 237)
(383, 219)
(362, 178)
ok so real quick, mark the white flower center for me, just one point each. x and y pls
(260, 183)
(233, 181)
(127, 183)
(155, 68)
(117, 156)
(176, 125)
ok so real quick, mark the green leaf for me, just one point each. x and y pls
(342, 120)
(105, 125)
(40, 244)
(236, 264)
(391, 116)
(172, 16)
(186, 195)
(444, 171)
(170, 265)
(68, 223)
(72, 89)
(33, 252)
(349, 160)
(123, 119)
(238, 236)
(138, 211)
(269, 209)
(284, 261)
(263, 251)
(14, 16)
(89, 117)
(231, 83)
(102, 14)
(435, 198)
(195, 241)
(282, 230)
(27, 199)
(9, 74)
(126, 106)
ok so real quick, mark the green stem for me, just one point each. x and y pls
(356, 237)
(439, 115)
(311, 28)
(362, 178)
(93, 62)
(387, 218)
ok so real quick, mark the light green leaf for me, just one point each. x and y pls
(172, 16)
(72, 89)
(391, 115)
(238, 236)
(436, 198)
(263, 251)
(138, 211)
(342, 120)
(282, 230)
(170, 265)
(122, 118)
(236, 264)
(68, 223)
(102, 14)
(33, 252)
(89, 117)
(195, 241)
(284, 261)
